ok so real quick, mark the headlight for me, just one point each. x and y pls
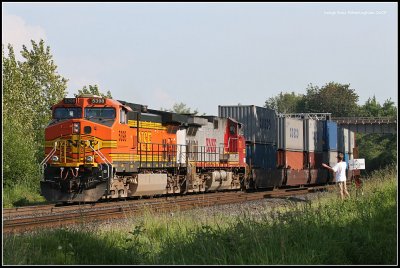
(54, 158)
(89, 158)
(76, 127)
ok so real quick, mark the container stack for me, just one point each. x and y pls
(289, 149)
(330, 145)
(259, 129)
(290, 154)
(313, 149)
(350, 145)
(344, 143)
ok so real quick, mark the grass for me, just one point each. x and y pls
(356, 231)
(21, 195)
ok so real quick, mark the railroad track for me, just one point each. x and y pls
(23, 219)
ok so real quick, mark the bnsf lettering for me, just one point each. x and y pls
(265, 123)
(211, 145)
(294, 133)
(145, 140)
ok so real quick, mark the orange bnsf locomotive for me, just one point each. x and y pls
(99, 148)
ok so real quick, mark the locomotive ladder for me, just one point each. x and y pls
(43, 163)
(108, 163)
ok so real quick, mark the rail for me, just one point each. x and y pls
(29, 219)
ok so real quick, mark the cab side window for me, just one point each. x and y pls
(122, 116)
(232, 129)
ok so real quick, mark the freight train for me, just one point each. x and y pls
(289, 149)
(100, 148)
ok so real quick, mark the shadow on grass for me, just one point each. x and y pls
(63, 246)
(25, 202)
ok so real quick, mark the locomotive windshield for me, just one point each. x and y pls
(103, 113)
(66, 113)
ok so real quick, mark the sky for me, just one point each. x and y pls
(210, 54)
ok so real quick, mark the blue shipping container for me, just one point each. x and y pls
(261, 155)
(330, 136)
(346, 159)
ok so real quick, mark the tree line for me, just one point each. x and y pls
(338, 99)
(32, 85)
(341, 100)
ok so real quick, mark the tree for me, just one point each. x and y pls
(180, 108)
(19, 146)
(340, 100)
(45, 86)
(93, 90)
(389, 109)
(373, 108)
(335, 98)
(286, 103)
(378, 150)
(30, 87)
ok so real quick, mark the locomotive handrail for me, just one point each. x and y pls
(152, 150)
(99, 153)
(52, 152)
(200, 153)
(44, 161)
(229, 139)
(182, 154)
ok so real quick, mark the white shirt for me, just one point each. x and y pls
(340, 170)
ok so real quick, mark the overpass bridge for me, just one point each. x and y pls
(368, 125)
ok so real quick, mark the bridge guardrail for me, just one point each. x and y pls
(365, 120)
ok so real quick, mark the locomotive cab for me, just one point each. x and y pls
(79, 139)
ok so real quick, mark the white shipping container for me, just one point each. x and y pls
(346, 134)
(352, 141)
(343, 139)
(290, 134)
(311, 131)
